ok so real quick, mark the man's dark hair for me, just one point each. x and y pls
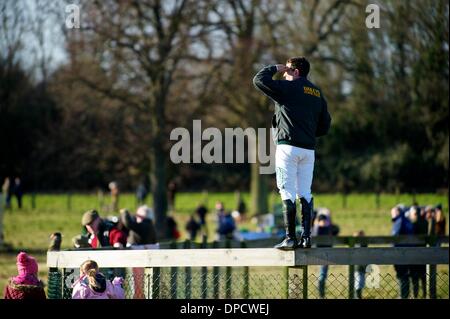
(301, 64)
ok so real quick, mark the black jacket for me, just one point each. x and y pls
(140, 233)
(301, 112)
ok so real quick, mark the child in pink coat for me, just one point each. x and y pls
(93, 285)
(26, 284)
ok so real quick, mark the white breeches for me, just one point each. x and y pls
(294, 172)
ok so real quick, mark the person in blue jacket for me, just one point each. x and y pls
(401, 225)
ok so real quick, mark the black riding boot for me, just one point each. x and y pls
(290, 241)
(307, 211)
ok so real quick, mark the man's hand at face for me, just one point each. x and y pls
(281, 68)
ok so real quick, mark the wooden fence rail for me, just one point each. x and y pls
(241, 257)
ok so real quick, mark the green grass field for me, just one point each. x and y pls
(28, 229)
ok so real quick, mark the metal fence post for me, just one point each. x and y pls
(156, 280)
(245, 291)
(351, 273)
(432, 283)
(432, 268)
(216, 275)
(55, 286)
(188, 274)
(173, 276)
(204, 274)
(305, 282)
(228, 275)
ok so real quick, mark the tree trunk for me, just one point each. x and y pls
(158, 182)
(159, 158)
(258, 189)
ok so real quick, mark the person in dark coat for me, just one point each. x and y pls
(201, 213)
(141, 228)
(18, 191)
(172, 231)
(141, 235)
(418, 272)
(301, 115)
(323, 226)
(401, 226)
(192, 226)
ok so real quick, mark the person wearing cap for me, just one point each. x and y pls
(141, 228)
(102, 233)
(301, 115)
(26, 284)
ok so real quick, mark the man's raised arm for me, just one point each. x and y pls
(263, 81)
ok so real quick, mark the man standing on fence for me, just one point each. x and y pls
(301, 115)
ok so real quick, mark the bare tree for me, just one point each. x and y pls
(244, 47)
(12, 28)
(140, 47)
(13, 25)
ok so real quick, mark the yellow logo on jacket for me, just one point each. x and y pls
(311, 91)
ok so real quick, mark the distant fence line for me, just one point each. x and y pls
(103, 198)
(350, 241)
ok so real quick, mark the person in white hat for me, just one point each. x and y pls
(141, 227)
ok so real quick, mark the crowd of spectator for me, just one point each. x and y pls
(415, 220)
(137, 231)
